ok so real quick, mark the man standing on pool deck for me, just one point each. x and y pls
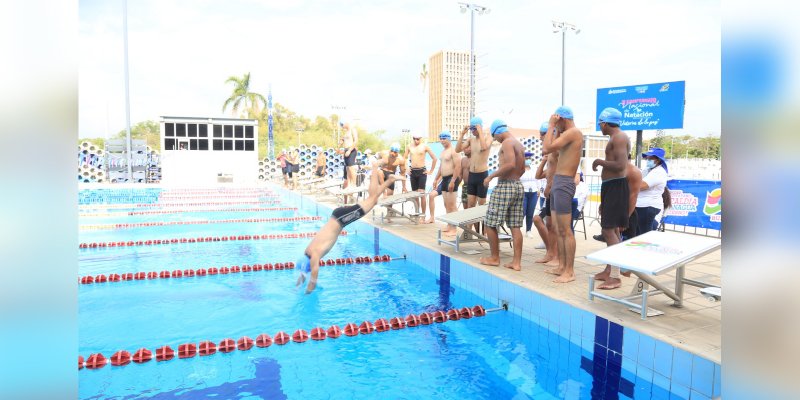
(448, 179)
(324, 240)
(569, 145)
(506, 202)
(479, 145)
(419, 176)
(349, 142)
(614, 191)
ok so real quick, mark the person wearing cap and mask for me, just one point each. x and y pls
(653, 194)
(479, 144)
(563, 137)
(447, 180)
(391, 161)
(419, 176)
(531, 186)
(505, 204)
(614, 191)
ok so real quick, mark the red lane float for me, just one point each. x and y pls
(197, 222)
(227, 345)
(210, 239)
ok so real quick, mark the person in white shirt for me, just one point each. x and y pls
(581, 192)
(651, 198)
(531, 186)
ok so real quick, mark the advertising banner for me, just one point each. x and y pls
(646, 107)
(695, 203)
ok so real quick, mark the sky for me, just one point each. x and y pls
(366, 56)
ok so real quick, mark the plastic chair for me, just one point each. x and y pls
(576, 218)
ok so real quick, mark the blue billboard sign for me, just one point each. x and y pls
(695, 203)
(645, 107)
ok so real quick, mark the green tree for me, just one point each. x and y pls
(148, 130)
(242, 95)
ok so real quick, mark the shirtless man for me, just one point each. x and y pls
(464, 177)
(391, 160)
(447, 178)
(349, 142)
(323, 241)
(506, 202)
(419, 176)
(614, 191)
(321, 165)
(544, 221)
(479, 145)
(563, 137)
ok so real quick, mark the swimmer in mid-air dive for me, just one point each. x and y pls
(324, 240)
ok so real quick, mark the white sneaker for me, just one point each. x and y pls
(540, 246)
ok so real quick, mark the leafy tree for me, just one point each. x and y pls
(242, 95)
(148, 130)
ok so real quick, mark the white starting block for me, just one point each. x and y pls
(402, 199)
(652, 254)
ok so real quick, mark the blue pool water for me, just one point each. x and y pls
(499, 356)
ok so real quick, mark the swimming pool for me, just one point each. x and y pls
(540, 348)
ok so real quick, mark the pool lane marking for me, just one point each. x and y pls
(224, 270)
(207, 348)
(160, 212)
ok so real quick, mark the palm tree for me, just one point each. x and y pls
(241, 93)
(423, 77)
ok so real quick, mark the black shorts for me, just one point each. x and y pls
(295, 167)
(475, 184)
(446, 182)
(418, 179)
(289, 169)
(633, 226)
(350, 160)
(614, 194)
(285, 170)
(347, 214)
(319, 171)
(545, 210)
(386, 175)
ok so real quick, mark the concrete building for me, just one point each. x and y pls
(203, 151)
(448, 92)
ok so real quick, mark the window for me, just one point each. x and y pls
(202, 144)
(249, 145)
(238, 131)
(239, 145)
(248, 131)
(169, 144)
(218, 144)
(180, 130)
(192, 144)
(228, 145)
(203, 130)
(217, 130)
(228, 131)
(192, 130)
(169, 129)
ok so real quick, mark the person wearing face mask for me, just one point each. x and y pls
(650, 201)
(531, 186)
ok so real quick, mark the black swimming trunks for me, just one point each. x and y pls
(446, 182)
(475, 184)
(614, 195)
(319, 171)
(545, 210)
(347, 214)
(418, 179)
(561, 194)
(350, 160)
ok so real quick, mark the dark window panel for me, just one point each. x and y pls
(192, 130)
(203, 130)
(248, 131)
(238, 131)
(228, 131)
(239, 145)
(217, 130)
(203, 144)
(192, 144)
(169, 144)
(169, 129)
(228, 145)
(249, 145)
(180, 130)
(218, 144)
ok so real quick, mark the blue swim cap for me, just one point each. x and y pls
(445, 135)
(545, 126)
(475, 121)
(527, 163)
(498, 127)
(610, 115)
(395, 147)
(564, 112)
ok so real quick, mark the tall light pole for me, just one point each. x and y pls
(563, 27)
(299, 129)
(473, 8)
(336, 109)
(405, 136)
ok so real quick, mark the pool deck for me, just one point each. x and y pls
(696, 327)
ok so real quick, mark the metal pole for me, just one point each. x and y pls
(639, 148)
(563, 49)
(127, 92)
(472, 63)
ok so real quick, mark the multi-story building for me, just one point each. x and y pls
(448, 92)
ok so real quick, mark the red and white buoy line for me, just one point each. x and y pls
(167, 205)
(174, 197)
(152, 242)
(189, 273)
(196, 222)
(181, 211)
(227, 345)
(215, 191)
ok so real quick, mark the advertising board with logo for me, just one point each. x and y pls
(695, 203)
(646, 107)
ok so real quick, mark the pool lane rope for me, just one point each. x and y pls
(198, 222)
(189, 273)
(153, 242)
(181, 211)
(263, 340)
(145, 205)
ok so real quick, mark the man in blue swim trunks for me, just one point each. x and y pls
(324, 240)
